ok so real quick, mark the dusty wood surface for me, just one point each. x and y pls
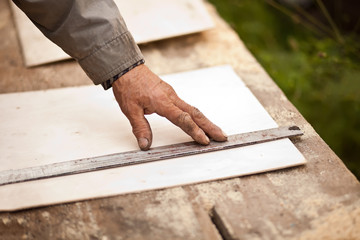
(318, 201)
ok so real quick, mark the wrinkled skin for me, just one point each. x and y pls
(141, 92)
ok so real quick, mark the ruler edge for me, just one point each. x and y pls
(297, 132)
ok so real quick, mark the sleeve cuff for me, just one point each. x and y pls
(108, 83)
(112, 58)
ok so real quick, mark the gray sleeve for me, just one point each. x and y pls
(91, 31)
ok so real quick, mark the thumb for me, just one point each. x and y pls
(141, 129)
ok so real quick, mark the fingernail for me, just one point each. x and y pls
(207, 140)
(143, 143)
(225, 135)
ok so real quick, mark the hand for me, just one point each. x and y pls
(140, 92)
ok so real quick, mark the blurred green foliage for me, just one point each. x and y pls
(319, 74)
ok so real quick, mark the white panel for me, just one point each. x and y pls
(58, 125)
(146, 20)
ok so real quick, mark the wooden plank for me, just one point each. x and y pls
(151, 215)
(281, 214)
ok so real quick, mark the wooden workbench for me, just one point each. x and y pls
(318, 201)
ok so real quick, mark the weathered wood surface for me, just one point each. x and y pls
(318, 201)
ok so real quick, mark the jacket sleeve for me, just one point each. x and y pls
(91, 31)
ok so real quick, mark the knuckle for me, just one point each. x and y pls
(185, 122)
(183, 118)
(197, 113)
(166, 86)
(140, 130)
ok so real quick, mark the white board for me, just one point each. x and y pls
(44, 127)
(146, 20)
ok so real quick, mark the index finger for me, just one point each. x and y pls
(185, 122)
(202, 121)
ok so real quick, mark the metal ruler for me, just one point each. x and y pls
(137, 157)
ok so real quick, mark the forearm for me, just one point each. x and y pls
(91, 31)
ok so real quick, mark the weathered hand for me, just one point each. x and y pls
(140, 92)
